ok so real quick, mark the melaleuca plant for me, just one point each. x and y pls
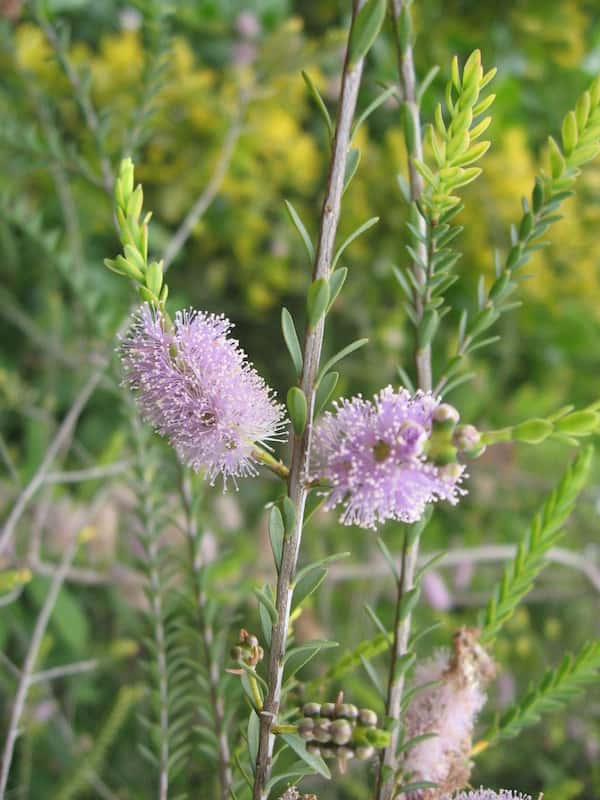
(395, 457)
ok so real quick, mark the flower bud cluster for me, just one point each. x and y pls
(248, 650)
(341, 730)
(448, 438)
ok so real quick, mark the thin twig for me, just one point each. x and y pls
(386, 775)
(65, 671)
(30, 661)
(297, 489)
(470, 555)
(90, 474)
(207, 634)
(213, 186)
(116, 574)
(62, 436)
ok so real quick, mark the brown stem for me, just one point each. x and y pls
(297, 489)
(406, 69)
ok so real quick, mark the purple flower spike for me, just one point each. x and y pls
(372, 455)
(195, 386)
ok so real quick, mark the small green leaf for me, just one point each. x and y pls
(345, 351)
(580, 423)
(361, 229)
(253, 738)
(298, 745)
(352, 162)
(299, 657)
(266, 602)
(428, 327)
(289, 514)
(319, 101)
(297, 409)
(299, 225)
(154, 277)
(569, 132)
(373, 676)
(307, 585)
(266, 624)
(557, 161)
(302, 573)
(388, 557)
(276, 534)
(291, 339)
(379, 101)
(365, 29)
(408, 602)
(404, 663)
(377, 622)
(325, 390)
(336, 282)
(317, 300)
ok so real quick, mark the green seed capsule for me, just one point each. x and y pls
(341, 731)
(365, 753)
(305, 728)
(322, 731)
(328, 710)
(347, 711)
(367, 717)
(313, 748)
(345, 753)
(311, 709)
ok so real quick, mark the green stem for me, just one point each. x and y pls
(270, 462)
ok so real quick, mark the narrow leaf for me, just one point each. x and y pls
(325, 390)
(345, 351)
(361, 229)
(291, 339)
(298, 745)
(365, 29)
(276, 534)
(299, 225)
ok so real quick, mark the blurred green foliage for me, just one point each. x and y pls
(166, 82)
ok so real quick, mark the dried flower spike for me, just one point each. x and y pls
(374, 456)
(193, 383)
(448, 709)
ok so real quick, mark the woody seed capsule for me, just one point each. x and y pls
(305, 728)
(311, 709)
(367, 717)
(322, 731)
(347, 711)
(341, 731)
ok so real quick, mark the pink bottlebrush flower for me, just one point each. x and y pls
(372, 455)
(193, 383)
(490, 794)
(449, 710)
